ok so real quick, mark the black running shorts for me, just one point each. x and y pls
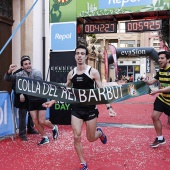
(85, 114)
(36, 104)
(161, 107)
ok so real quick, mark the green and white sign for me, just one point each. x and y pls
(62, 10)
(108, 7)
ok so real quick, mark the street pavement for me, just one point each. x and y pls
(129, 136)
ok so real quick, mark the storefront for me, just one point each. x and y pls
(129, 71)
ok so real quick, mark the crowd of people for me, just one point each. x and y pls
(84, 76)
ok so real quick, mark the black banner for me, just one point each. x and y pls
(60, 65)
(51, 90)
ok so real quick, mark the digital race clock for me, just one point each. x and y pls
(143, 25)
(99, 28)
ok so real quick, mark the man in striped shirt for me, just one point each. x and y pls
(162, 102)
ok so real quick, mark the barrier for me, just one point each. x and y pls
(9, 116)
(6, 115)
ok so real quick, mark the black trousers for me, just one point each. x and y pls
(22, 122)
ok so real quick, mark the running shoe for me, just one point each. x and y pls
(43, 141)
(83, 166)
(55, 132)
(103, 137)
(157, 142)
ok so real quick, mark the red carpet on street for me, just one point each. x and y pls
(129, 136)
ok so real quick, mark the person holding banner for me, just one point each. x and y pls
(37, 111)
(161, 103)
(164, 90)
(84, 77)
(21, 102)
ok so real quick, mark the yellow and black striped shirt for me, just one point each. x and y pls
(164, 78)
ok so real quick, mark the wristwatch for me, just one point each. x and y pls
(109, 107)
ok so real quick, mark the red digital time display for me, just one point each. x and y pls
(99, 28)
(143, 25)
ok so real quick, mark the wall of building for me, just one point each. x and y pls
(146, 39)
(16, 41)
(28, 38)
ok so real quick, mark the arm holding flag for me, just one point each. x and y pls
(163, 90)
(153, 92)
(150, 82)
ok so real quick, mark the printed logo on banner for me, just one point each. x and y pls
(132, 90)
(63, 36)
(105, 4)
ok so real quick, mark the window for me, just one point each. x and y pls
(137, 69)
(113, 42)
(156, 44)
(6, 8)
(122, 27)
(138, 43)
(127, 43)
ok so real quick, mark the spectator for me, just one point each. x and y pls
(37, 111)
(161, 104)
(22, 104)
(131, 78)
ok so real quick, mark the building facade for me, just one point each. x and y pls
(131, 65)
(28, 24)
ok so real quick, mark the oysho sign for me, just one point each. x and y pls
(105, 4)
(63, 36)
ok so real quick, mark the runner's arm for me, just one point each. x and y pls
(96, 76)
